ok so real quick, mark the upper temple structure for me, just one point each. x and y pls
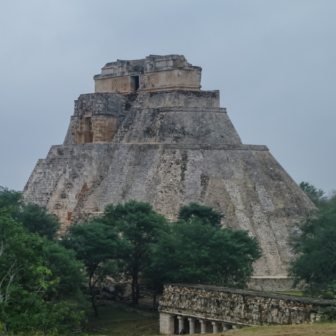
(154, 73)
(149, 133)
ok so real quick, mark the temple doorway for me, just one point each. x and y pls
(135, 83)
(87, 130)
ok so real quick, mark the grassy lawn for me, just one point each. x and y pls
(288, 330)
(113, 321)
(326, 329)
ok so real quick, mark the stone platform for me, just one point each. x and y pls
(209, 309)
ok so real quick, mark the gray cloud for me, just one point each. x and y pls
(273, 61)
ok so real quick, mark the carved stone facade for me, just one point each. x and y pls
(95, 129)
(154, 73)
(96, 118)
(170, 148)
(209, 309)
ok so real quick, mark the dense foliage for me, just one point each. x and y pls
(205, 213)
(65, 267)
(315, 195)
(10, 198)
(128, 241)
(314, 247)
(193, 251)
(34, 217)
(138, 224)
(25, 280)
(100, 248)
(36, 274)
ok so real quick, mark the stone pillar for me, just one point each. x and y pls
(191, 325)
(166, 324)
(225, 327)
(215, 327)
(181, 323)
(203, 326)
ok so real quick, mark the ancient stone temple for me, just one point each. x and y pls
(149, 133)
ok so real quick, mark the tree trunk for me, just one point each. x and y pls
(94, 306)
(133, 296)
(92, 298)
(135, 288)
(154, 298)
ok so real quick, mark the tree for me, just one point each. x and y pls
(192, 252)
(68, 270)
(36, 219)
(205, 213)
(20, 254)
(10, 198)
(44, 317)
(315, 195)
(155, 279)
(98, 247)
(314, 247)
(138, 224)
(24, 280)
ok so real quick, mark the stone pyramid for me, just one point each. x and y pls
(149, 133)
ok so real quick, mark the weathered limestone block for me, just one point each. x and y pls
(96, 118)
(170, 148)
(166, 324)
(60, 181)
(271, 283)
(155, 73)
(232, 307)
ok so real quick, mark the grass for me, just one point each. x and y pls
(113, 321)
(297, 293)
(288, 330)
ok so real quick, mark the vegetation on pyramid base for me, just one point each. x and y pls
(314, 247)
(26, 283)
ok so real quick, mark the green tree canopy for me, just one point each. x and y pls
(205, 213)
(314, 247)
(192, 252)
(138, 224)
(315, 195)
(10, 197)
(24, 280)
(21, 262)
(34, 217)
(99, 248)
(68, 270)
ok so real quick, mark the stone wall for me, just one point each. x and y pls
(154, 73)
(61, 181)
(96, 118)
(233, 307)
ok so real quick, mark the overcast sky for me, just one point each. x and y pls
(274, 63)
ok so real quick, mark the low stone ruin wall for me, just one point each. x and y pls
(199, 308)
